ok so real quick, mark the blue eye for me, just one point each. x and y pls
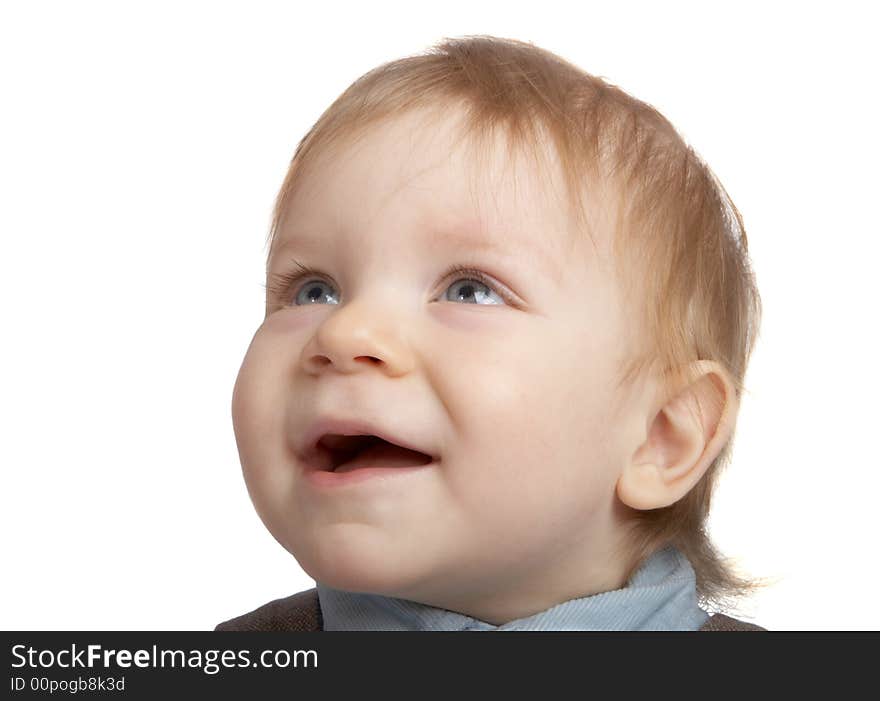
(312, 293)
(470, 289)
(470, 285)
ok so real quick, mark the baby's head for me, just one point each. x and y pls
(491, 257)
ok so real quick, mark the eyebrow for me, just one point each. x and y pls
(457, 238)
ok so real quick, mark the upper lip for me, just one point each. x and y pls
(310, 452)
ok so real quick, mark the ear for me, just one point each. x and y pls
(680, 445)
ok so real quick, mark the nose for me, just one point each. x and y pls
(353, 337)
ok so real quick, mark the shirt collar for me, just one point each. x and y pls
(660, 595)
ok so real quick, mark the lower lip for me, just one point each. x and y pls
(324, 479)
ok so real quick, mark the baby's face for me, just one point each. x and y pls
(508, 381)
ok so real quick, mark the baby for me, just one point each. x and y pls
(545, 463)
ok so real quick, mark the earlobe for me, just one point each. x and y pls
(641, 486)
(684, 437)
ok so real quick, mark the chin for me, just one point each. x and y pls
(357, 569)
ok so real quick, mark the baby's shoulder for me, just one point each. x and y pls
(721, 622)
(299, 612)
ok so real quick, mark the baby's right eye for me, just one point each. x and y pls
(282, 283)
(310, 289)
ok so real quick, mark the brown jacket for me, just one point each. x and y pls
(302, 612)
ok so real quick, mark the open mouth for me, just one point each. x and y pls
(338, 453)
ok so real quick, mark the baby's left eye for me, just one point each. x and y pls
(471, 286)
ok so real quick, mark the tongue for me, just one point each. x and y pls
(384, 455)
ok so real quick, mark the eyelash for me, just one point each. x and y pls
(282, 283)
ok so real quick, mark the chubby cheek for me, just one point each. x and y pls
(533, 454)
(258, 416)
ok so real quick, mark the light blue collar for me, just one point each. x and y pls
(660, 595)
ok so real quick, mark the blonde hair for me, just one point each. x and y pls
(678, 240)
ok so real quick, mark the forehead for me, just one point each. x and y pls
(423, 179)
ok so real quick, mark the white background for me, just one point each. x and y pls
(141, 148)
